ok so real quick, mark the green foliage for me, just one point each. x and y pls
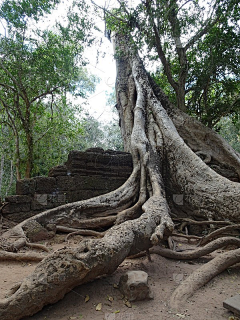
(16, 13)
(161, 79)
(194, 47)
(59, 132)
(40, 69)
(113, 138)
(97, 134)
(229, 129)
(213, 83)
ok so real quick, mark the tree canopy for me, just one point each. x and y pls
(194, 47)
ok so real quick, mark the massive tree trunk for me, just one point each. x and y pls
(176, 140)
(172, 154)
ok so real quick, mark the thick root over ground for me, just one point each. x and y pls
(202, 276)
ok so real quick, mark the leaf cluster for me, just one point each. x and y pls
(190, 44)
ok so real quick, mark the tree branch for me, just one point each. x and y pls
(163, 59)
(42, 135)
(183, 5)
(199, 34)
(11, 77)
(8, 87)
(108, 12)
(44, 94)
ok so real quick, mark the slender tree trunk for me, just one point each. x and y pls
(18, 157)
(29, 163)
(1, 173)
(13, 126)
(10, 178)
(172, 9)
(180, 94)
(27, 126)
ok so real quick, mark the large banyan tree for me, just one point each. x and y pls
(173, 178)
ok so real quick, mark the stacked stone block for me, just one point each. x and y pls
(84, 175)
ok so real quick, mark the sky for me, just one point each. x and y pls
(105, 69)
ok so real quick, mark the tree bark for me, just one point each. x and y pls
(1, 173)
(29, 162)
(10, 179)
(167, 173)
(202, 192)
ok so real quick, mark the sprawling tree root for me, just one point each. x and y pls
(10, 256)
(217, 233)
(200, 223)
(165, 166)
(37, 246)
(186, 236)
(190, 254)
(198, 252)
(18, 243)
(73, 215)
(202, 276)
(66, 268)
(84, 232)
(186, 222)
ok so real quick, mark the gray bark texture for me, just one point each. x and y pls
(169, 179)
(1, 173)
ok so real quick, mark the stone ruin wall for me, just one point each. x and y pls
(84, 175)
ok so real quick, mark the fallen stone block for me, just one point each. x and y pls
(36, 232)
(233, 304)
(134, 286)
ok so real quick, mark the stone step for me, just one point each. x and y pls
(233, 304)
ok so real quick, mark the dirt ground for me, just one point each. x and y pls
(164, 277)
